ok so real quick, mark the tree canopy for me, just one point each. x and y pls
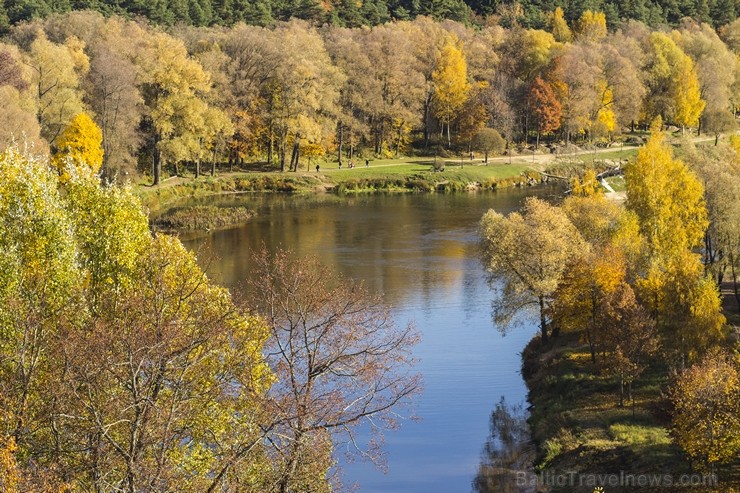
(168, 101)
(353, 14)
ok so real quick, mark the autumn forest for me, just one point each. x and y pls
(125, 368)
(216, 95)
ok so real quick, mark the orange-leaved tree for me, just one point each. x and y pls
(544, 107)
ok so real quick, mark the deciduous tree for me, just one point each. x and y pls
(488, 141)
(115, 100)
(630, 337)
(673, 86)
(399, 85)
(715, 67)
(80, 144)
(719, 170)
(153, 370)
(451, 87)
(18, 120)
(590, 279)
(173, 86)
(706, 416)
(163, 383)
(302, 94)
(544, 108)
(591, 26)
(340, 362)
(57, 71)
(667, 198)
(529, 251)
(717, 122)
(559, 26)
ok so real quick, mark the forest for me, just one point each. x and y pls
(165, 101)
(352, 13)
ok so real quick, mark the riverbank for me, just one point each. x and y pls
(396, 175)
(578, 426)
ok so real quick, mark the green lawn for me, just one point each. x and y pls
(384, 168)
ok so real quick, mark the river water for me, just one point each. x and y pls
(421, 252)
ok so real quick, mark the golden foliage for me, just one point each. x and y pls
(591, 26)
(89, 302)
(667, 198)
(79, 145)
(530, 251)
(674, 85)
(587, 186)
(450, 78)
(559, 26)
(706, 420)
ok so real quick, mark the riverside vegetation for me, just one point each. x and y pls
(634, 346)
(203, 217)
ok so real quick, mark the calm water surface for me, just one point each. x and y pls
(421, 251)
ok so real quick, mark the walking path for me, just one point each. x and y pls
(606, 185)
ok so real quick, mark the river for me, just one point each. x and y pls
(420, 250)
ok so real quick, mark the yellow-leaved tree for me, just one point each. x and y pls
(668, 200)
(89, 302)
(591, 26)
(57, 72)
(450, 78)
(530, 251)
(587, 186)
(674, 91)
(687, 95)
(175, 87)
(559, 26)
(596, 277)
(706, 419)
(80, 144)
(589, 281)
(604, 121)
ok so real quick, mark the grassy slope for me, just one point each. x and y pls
(578, 426)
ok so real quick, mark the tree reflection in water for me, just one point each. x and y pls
(508, 451)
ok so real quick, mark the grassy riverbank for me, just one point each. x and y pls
(390, 175)
(578, 426)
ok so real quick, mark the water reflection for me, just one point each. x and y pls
(421, 252)
(507, 454)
